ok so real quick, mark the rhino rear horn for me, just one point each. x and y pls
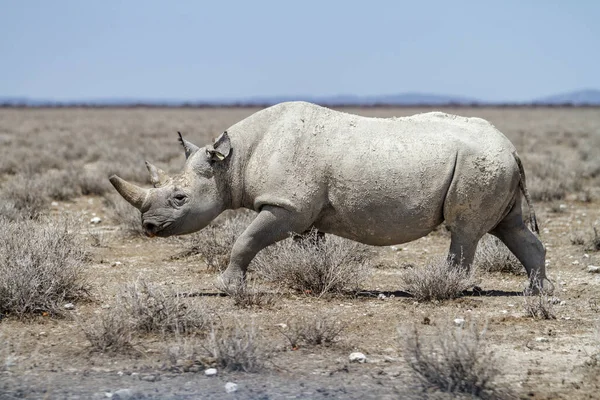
(189, 147)
(158, 177)
(134, 195)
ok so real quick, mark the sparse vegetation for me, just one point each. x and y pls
(539, 305)
(493, 256)
(237, 347)
(246, 296)
(591, 242)
(126, 215)
(455, 362)
(41, 267)
(315, 266)
(437, 280)
(312, 330)
(110, 332)
(155, 310)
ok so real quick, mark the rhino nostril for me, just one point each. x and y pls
(149, 226)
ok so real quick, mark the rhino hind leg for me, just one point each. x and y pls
(528, 249)
(462, 249)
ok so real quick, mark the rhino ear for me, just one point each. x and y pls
(189, 147)
(158, 177)
(219, 150)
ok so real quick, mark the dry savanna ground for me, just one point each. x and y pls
(90, 308)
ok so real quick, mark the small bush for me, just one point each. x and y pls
(236, 348)
(41, 267)
(456, 362)
(590, 242)
(154, 310)
(315, 266)
(493, 256)
(539, 306)
(23, 197)
(188, 355)
(110, 332)
(247, 297)
(438, 280)
(313, 331)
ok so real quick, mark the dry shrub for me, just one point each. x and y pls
(493, 256)
(539, 306)
(591, 242)
(109, 332)
(188, 354)
(247, 296)
(315, 266)
(23, 197)
(41, 267)
(152, 309)
(129, 217)
(438, 280)
(214, 242)
(455, 362)
(236, 347)
(315, 330)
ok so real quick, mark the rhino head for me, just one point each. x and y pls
(186, 202)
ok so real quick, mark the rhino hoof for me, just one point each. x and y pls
(229, 284)
(539, 287)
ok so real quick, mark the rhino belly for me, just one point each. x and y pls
(381, 225)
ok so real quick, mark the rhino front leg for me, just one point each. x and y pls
(271, 225)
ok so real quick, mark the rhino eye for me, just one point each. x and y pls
(179, 199)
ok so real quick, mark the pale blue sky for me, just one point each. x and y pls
(501, 50)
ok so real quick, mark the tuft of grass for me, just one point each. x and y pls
(110, 332)
(245, 296)
(23, 197)
(456, 362)
(539, 306)
(41, 267)
(314, 265)
(590, 242)
(438, 280)
(236, 347)
(493, 256)
(152, 309)
(316, 330)
(188, 354)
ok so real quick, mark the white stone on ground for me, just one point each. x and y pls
(357, 357)
(231, 387)
(210, 372)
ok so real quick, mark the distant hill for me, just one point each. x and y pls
(576, 98)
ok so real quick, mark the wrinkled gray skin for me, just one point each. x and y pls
(375, 181)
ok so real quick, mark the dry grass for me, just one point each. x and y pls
(539, 306)
(249, 295)
(455, 362)
(590, 241)
(237, 347)
(438, 280)
(42, 267)
(315, 266)
(109, 332)
(493, 256)
(152, 309)
(312, 330)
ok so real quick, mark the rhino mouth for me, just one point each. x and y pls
(151, 229)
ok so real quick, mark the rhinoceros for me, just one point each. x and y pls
(378, 181)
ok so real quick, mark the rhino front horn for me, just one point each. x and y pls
(134, 195)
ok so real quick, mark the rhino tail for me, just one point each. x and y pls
(523, 186)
